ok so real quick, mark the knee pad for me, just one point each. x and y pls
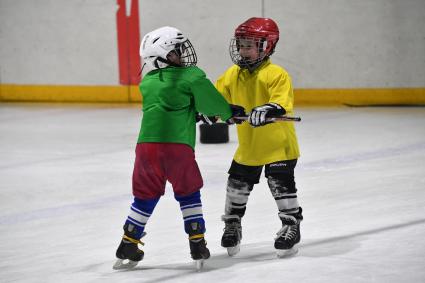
(237, 189)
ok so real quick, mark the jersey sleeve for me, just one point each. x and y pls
(280, 89)
(208, 100)
(222, 88)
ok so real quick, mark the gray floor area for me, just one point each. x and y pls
(65, 191)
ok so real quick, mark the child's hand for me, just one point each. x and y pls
(237, 111)
(258, 116)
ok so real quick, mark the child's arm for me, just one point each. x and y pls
(209, 101)
(281, 99)
(280, 89)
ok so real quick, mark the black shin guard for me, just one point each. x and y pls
(284, 192)
(237, 194)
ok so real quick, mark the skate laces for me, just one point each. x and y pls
(131, 240)
(287, 232)
(196, 236)
(231, 228)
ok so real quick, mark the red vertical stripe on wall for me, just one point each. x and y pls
(128, 34)
(123, 57)
(134, 42)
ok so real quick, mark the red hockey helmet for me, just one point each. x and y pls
(261, 28)
(263, 31)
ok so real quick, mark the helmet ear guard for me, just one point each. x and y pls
(263, 45)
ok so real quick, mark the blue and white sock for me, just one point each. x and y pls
(191, 207)
(140, 212)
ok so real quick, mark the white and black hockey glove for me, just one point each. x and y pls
(258, 116)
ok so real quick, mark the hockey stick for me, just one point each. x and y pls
(206, 119)
(273, 119)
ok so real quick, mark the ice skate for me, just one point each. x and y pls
(198, 250)
(232, 234)
(128, 253)
(198, 246)
(288, 236)
(286, 240)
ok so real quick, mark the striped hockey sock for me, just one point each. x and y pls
(191, 207)
(140, 212)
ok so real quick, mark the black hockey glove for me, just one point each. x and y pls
(206, 119)
(237, 111)
(258, 116)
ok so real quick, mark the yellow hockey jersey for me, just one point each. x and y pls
(268, 83)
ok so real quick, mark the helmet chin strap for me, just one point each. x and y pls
(166, 62)
(160, 60)
(177, 52)
(252, 66)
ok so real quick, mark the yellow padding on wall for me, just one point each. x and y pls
(360, 96)
(128, 94)
(61, 93)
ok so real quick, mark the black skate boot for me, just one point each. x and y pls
(232, 235)
(128, 253)
(289, 235)
(198, 246)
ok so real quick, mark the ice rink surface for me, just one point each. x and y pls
(65, 191)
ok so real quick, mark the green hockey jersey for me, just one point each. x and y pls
(171, 98)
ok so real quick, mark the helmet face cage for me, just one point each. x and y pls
(186, 52)
(259, 44)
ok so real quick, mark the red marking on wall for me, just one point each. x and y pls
(128, 32)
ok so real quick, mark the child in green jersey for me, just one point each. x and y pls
(173, 91)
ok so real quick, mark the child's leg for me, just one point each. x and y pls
(194, 224)
(282, 186)
(239, 186)
(183, 173)
(237, 194)
(191, 207)
(148, 186)
(281, 181)
(140, 212)
(134, 228)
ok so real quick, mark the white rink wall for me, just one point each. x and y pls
(324, 43)
(60, 42)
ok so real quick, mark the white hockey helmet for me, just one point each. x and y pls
(157, 44)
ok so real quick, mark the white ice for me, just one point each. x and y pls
(65, 191)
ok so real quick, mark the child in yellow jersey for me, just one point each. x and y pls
(264, 88)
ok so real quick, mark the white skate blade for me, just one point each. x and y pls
(231, 251)
(199, 264)
(286, 253)
(124, 264)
